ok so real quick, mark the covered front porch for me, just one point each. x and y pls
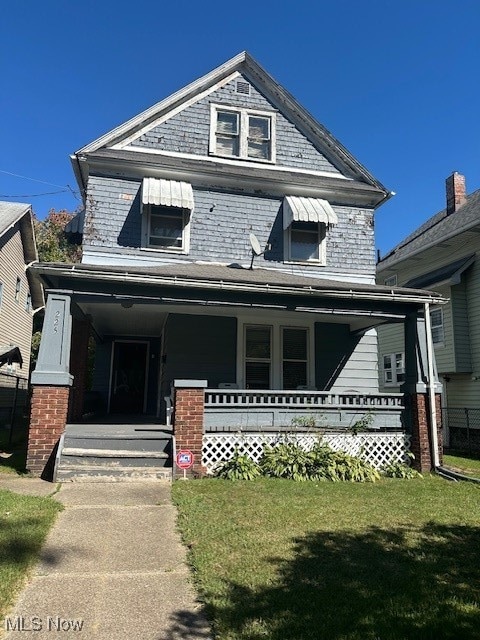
(274, 352)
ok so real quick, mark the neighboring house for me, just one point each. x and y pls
(179, 201)
(441, 255)
(20, 295)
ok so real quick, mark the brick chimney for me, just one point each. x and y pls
(456, 195)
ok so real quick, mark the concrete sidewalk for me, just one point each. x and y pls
(113, 561)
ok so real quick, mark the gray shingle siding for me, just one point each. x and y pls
(220, 228)
(189, 131)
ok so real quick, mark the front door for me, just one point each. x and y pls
(127, 393)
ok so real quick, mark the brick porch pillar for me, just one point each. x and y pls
(79, 366)
(48, 416)
(51, 382)
(188, 421)
(421, 431)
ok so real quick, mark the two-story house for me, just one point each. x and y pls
(228, 254)
(20, 295)
(442, 255)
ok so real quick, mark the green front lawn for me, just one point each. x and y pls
(275, 559)
(24, 523)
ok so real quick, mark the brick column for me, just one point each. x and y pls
(51, 382)
(422, 447)
(79, 366)
(48, 416)
(188, 421)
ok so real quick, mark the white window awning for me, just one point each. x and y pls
(167, 193)
(299, 209)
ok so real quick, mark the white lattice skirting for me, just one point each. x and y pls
(378, 449)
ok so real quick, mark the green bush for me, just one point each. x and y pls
(401, 470)
(239, 467)
(286, 460)
(289, 460)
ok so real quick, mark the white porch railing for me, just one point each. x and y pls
(308, 399)
(378, 449)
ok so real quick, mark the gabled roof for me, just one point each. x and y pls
(244, 63)
(436, 229)
(12, 213)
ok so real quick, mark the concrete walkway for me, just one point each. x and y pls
(113, 561)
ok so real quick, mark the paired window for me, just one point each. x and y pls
(167, 228)
(393, 369)
(242, 133)
(436, 321)
(259, 357)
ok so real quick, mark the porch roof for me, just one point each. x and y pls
(232, 277)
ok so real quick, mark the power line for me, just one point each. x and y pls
(17, 175)
(34, 195)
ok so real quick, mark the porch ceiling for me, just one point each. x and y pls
(142, 319)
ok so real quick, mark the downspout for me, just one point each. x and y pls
(431, 386)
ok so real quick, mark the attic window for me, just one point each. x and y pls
(242, 133)
(242, 87)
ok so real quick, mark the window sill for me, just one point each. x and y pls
(171, 250)
(303, 263)
(244, 159)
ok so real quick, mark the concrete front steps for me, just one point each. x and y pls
(114, 453)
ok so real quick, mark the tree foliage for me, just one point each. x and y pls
(53, 244)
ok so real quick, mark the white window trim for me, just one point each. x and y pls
(440, 343)
(183, 250)
(322, 246)
(396, 371)
(276, 382)
(243, 112)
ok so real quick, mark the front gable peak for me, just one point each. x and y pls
(237, 111)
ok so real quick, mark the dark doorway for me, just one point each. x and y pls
(128, 377)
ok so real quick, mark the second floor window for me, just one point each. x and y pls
(242, 133)
(436, 320)
(306, 242)
(167, 228)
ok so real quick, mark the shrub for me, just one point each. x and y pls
(401, 470)
(289, 460)
(286, 460)
(239, 467)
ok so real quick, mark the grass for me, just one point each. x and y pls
(281, 560)
(469, 464)
(24, 523)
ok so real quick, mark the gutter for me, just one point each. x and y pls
(183, 282)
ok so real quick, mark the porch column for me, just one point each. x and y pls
(188, 420)
(417, 399)
(51, 382)
(79, 366)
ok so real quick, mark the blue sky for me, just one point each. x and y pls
(397, 82)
